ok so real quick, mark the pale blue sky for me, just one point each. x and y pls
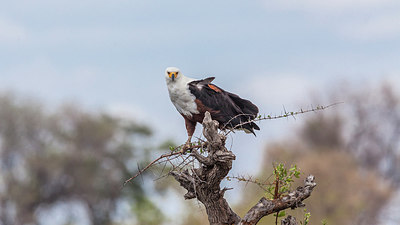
(112, 54)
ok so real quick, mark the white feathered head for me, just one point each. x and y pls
(172, 73)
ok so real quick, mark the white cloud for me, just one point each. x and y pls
(272, 92)
(330, 6)
(380, 27)
(366, 20)
(11, 32)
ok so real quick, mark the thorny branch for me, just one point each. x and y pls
(285, 114)
(215, 162)
(176, 151)
(250, 179)
(157, 160)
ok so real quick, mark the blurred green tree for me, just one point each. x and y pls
(68, 156)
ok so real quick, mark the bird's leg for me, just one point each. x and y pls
(187, 145)
(188, 142)
(190, 127)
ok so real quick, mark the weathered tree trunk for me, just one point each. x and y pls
(204, 183)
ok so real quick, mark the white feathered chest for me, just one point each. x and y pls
(180, 95)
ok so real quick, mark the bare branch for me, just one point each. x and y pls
(250, 179)
(215, 162)
(284, 115)
(292, 200)
(157, 160)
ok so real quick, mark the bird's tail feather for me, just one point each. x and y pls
(248, 112)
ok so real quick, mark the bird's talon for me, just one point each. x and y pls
(186, 147)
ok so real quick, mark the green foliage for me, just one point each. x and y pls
(306, 219)
(168, 144)
(282, 183)
(280, 214)
(284, 177)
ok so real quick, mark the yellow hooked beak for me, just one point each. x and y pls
(173, 75)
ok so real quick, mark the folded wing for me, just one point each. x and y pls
(227, 108)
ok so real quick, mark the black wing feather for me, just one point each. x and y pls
(205, 81)
(230, 110)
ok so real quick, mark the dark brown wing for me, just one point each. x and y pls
(228, 109)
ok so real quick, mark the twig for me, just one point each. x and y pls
(284, 115)
(174, 153)
(250, 180)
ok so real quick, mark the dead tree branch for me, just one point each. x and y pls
(293, 200)
(166, 156)
(204, 160)
(203, 183)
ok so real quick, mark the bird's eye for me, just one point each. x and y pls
(169, 73)
(177, 73)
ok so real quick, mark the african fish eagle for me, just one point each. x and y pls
(192, 98)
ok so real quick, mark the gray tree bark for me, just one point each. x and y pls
(289, 220)
(203, 183)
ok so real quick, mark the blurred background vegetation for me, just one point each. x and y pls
(70, 163)
(353, 150)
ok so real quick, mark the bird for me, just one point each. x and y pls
(192, 98)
